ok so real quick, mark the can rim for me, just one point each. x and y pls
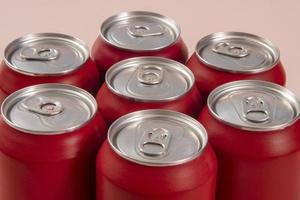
(127, 14)
(74, 40)
(264, 41)
(120, 124)
(217, 92)
(179, 66)
(53, 86)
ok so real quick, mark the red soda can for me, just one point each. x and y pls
(254, 128)
(230, 56)
(148, 83)
(47, 58)
(156, 155)
(49, 138)
(137, 33)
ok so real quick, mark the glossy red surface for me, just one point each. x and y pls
(208, 78)
(113, 106)
(48, 167)
(255, 165)
(86, 77)
(118, 178)
(3, 95)
(105, 54)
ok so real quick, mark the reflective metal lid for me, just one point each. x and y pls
(157, 137)
(48, 109)
(46, 54)
(254, 105)
(149, 79)
(140, 31)
(237, 52)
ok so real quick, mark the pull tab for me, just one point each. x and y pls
(39, 53)
(255, 110)
(231, 50)
(43, 106)
(145, 31)
(150, 74)
(154, 143)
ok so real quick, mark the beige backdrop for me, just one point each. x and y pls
(277, 20)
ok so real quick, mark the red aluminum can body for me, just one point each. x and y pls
(119, 178)
(3, 95)
(210, 75)
(113, 105)
(105, 55)
(106, 51)
(254, 165)
(21, 72)
(55, 166)
(86, 78)
(140, 182)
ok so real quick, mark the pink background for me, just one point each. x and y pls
(277, 20)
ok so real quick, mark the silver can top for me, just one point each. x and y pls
(237, 52)
(157, 137)
(48, 109)
(254, 105)
(46, 54)
(140, 31)
(149, 79)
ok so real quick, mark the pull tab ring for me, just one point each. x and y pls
(255, 110)
(43, 106)
(150, 74)
(154, 143)
(144, 31)
(231, 50)
(39, 53)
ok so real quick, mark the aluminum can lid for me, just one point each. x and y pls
(157, 138)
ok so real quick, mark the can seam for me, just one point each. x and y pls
(149, 100)
(142, 50)
(72, 129)
(237, 71)
(265, 83)
(14, 68)
(195, 123)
